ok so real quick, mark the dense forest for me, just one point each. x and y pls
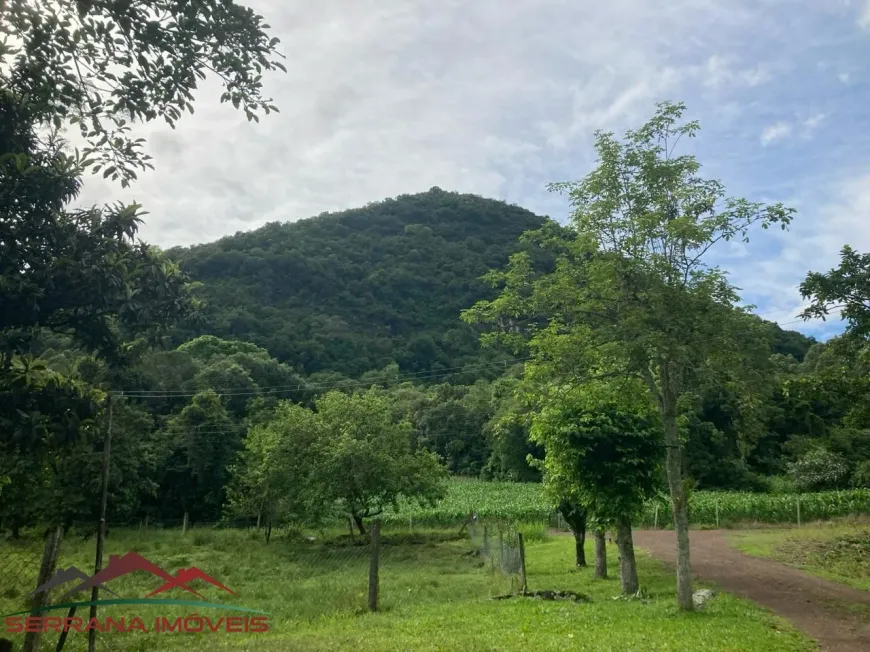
(182, 436)
(358, 290)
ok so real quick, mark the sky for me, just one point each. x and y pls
(498, 98)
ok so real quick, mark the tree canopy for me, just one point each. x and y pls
(100, 65)
(631, 293)
(359, 290)
(348, 454)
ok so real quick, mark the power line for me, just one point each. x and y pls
(407, 376)
(307, 387)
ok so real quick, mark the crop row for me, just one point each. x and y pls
(509, 501)
(718, 508)
(526, 502)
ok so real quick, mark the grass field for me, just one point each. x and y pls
(434, 597)
(838, 551)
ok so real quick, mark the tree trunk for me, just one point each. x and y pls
(359, 524)
(575, 517)
(46, 570)
(268, 528)
(600, 555)
(627, 564)
(374, 565)
(667, 401)
(579, 549)
(61, 641)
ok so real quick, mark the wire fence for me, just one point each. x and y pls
(302, 575)
(20, 560)
(500, 547)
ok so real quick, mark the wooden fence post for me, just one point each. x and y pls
(49, 562)
(523, 586)
(656, 519)
(717, 514)
(799, 510)
(373, 566)
(101, 533)
(501, 549)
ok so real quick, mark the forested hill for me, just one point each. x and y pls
(357, 290)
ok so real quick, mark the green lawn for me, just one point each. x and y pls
(434, 597)
(838, 551)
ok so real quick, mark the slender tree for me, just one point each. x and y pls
(632, 289)
(603, 447)
(349, 454)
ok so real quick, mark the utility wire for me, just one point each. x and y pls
(409, 376)
(283, 389)
(273, 390)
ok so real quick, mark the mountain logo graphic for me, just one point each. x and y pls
(119, 566)
(62, 576)
(76, 586)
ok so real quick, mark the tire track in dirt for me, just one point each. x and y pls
(816, 606)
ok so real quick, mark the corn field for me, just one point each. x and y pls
(526, 503)
(722, 508)
(491, 501)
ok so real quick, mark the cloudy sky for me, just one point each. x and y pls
(499, 97)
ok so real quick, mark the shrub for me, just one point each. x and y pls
(819, 469)
(861, 477)
(782, 484)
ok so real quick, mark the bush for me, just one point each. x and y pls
(819, 469)
(782, 484)
(861, 477)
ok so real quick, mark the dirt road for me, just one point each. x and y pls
(818, 607)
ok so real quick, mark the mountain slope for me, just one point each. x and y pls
(354, 291)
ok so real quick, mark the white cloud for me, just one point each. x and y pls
(775, 132)
(384, 97)
(719, 71)
(755, 76)
(813, 243)
(811, 124)
(864, 15)
(814, 121)
(844, 77)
